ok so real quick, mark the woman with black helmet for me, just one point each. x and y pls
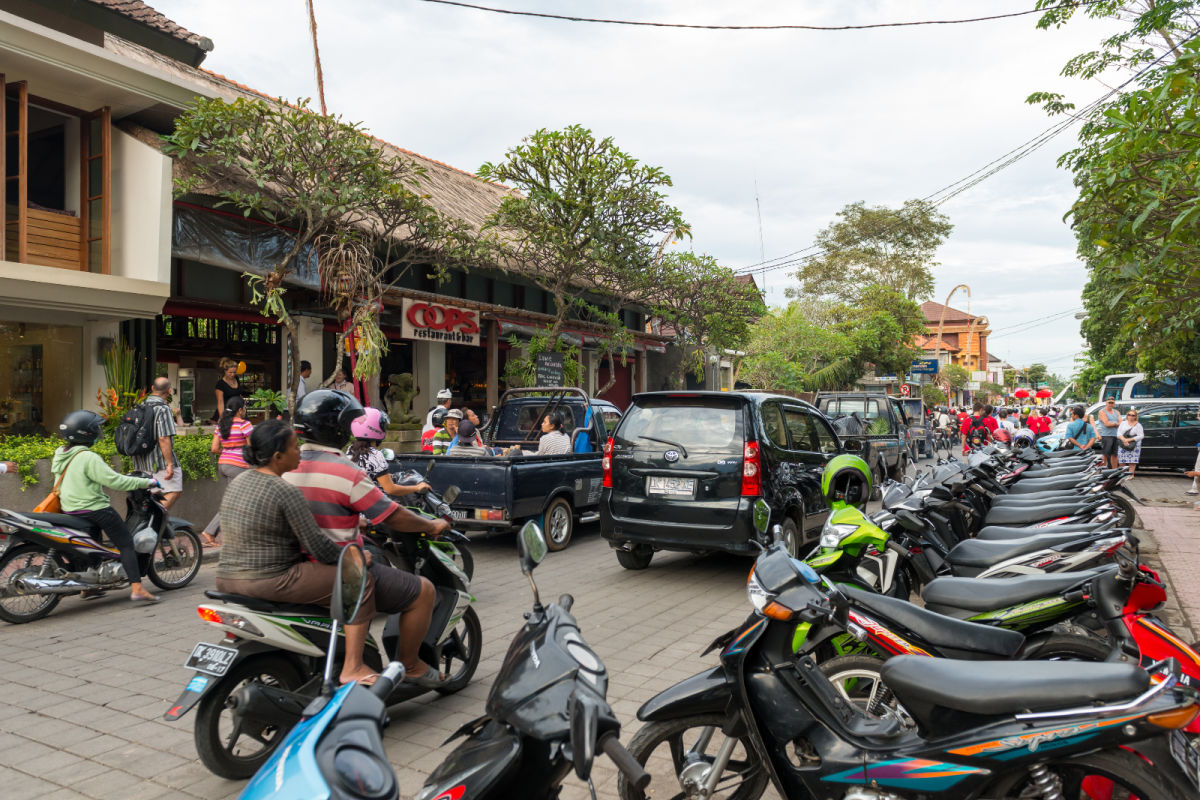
(84, 474)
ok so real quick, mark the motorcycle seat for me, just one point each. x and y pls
(267, 606)
(989, 594)
(994, 533)
(983, 554)
(964, 638)
(1040, 513)
(994, 688)
(81, 524)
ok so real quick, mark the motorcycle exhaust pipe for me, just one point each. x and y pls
(267, 704)
(47, 586)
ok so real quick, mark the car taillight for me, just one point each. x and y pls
(606, 464)
(751, 471)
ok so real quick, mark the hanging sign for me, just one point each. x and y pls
(433, 322)
(549, 369)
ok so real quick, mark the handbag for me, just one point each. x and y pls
(52, 505)
(1130, 445)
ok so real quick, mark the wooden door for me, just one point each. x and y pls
(14, 121)
(95, 181)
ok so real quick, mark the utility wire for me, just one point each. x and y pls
(1038, 319)
(914, 23)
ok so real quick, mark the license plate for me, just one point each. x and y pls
(661, 484)
(1187, 757)
(459, 513)
(211, 659)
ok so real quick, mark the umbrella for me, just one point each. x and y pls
(1044, 393)
(1021, 393)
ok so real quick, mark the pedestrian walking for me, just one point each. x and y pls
(161, 461)
(228, 386)
(231, 436)
(1130, 434)
(1108, 423)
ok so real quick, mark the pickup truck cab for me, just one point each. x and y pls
(500, 493)
(874, 427)
(685, 469)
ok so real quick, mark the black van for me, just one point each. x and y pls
(683, 469)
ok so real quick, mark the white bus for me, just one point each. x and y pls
(1135, 386)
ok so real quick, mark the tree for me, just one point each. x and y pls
(586, 224)
(890, 247)
(322, 177)
(956, 377)
(932, 395)
(705, 306)
(1036, 373)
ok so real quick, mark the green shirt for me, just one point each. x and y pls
(441, 442)
(82, 489)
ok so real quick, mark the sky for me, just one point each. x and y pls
(796, 124)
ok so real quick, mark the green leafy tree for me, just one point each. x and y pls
(866, 246)
(932, 395)
(955, 376)
(586, 223)
(787, 345)
(1037, 373)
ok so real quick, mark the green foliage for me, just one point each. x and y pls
(991, 390)
(191, 449)
(956, 376)
(932, 395)
(521, 370)
(119, 393)
(268, 400)
(1037, 373)
(888, 247)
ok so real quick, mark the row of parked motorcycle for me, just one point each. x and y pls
(1030, 665)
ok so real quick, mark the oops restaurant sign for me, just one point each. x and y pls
(432, 322)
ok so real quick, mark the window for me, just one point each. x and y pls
(704, 428)
(1187, 417)
(611, 417)
(809, 433)
(1157, 418)
(772, 419)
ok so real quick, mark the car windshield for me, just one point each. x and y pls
(703, 427)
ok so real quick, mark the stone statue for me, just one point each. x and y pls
(401, 391)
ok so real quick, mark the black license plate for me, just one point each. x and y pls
(211, 659)
(1186, 757)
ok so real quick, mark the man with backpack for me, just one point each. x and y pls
(147, 434)
(978, 428)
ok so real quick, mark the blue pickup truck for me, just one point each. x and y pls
(499, 493)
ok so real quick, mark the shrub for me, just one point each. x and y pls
(191, 449)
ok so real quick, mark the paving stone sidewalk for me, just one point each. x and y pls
(1174, 546)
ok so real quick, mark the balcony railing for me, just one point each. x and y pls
(52, 239)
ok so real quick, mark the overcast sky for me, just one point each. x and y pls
(815, 119)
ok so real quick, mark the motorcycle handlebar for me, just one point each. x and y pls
(616, 752)
(566, 601)
(387, 680)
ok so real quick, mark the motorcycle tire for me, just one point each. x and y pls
(176, 559)
(21, 608)
(1064, 647)
(467, 641)
(1094, 775)
(1129, 517)
(648, 743)
(856, 677)
(221, 755)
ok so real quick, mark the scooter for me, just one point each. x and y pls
(253, 686)
(51, 556)
(546, 715)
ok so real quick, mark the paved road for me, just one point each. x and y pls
(85, 687)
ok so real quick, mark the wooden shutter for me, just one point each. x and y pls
(95, 181)
(14, 120)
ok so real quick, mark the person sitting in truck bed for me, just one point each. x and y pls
(553, 441)
(467, 444)
(443, 438)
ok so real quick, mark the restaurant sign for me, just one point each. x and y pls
(433, 322)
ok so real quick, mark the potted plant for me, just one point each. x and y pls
(267, 403)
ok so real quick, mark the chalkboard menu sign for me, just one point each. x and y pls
(549, 369)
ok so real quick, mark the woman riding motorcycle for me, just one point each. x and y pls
(368, 431)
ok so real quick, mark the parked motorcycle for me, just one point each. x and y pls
(768, 715)
(253, 686)
(51, 556)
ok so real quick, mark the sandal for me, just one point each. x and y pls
(430, 679)
(367, 681)
(208, 541)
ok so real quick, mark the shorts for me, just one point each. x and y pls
(395, 589)
(1108, 445)
(175, 484)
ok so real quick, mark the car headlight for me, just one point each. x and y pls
(759, 597)
(832, 534)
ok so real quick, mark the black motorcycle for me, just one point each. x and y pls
(767, 715)
(51, 556)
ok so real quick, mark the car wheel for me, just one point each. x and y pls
(636, 558)
(877, 476)
(789, 534)
(560, 523)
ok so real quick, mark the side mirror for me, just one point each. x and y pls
(388, 454)
(350, 584)
(531, 545)
(584, 724)
(853, 446)
(762, 515)
(451, 494)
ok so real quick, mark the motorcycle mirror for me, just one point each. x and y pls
(451, 494)
(584, 719)
(531, 548)
(349, 587)
(388, 454)
(429, 465)
(762, 515)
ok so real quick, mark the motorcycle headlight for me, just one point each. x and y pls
(759, 597)
(832, 534)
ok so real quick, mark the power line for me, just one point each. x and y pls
(567, 18)
(1013, 330)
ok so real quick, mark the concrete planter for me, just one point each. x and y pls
(198, 503)
(403, 441)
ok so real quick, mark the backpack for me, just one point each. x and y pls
(977, 433)
(135, 432)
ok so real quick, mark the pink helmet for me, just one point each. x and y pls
(370, 425)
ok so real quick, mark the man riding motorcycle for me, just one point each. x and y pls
(338, 492)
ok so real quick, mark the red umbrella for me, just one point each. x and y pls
(1044, 393)
(1021, 393)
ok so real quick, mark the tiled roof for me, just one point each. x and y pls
(933, 312)
(139, 11)
(931, 343)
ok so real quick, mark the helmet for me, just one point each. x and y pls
(370, 425)
(1002, 435)
(81, 427)
(846, 481)
(439, 417)
(1024, 438)
(324, 417)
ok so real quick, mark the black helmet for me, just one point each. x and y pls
(81, 427)
(324, 417)
(439, 416)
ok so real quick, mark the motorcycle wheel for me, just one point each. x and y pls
(680, 752)
(856, 678)
(1094, 775)
(463, 650)
(21, 608)
(1064, 647)
(229, 751)
(1129, 517)
(176, 559)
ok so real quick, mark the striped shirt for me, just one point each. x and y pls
(231, 448)
(338, 492)
(164, 425)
